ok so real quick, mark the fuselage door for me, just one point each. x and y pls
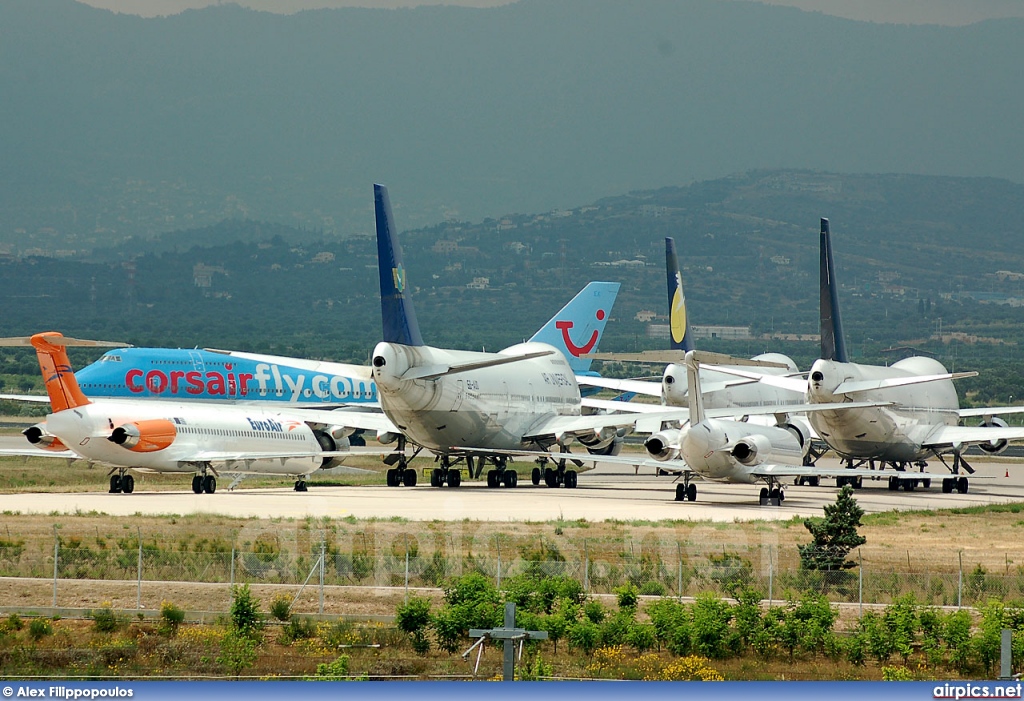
(197, 361)
(460, 394)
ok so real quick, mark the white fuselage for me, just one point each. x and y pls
(492, 407)
(85, 431)
(709, 449)
(888, 433)
(750, 394)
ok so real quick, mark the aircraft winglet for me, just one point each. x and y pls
(397, 314)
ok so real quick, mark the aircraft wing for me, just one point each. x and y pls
(783, 470)
(960, 436)
(653, 389)
(34, 398)
(243, 456)
(30, 451)
(366, 420)
(616, 405)
(967, 413)
(554, 426)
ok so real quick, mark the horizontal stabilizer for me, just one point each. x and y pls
(16, 341)
(678, 357)
(980, 411)
(36, 398)
(792, 383)
(432, 372)
(868, 385)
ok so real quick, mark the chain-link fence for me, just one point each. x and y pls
(656, 567)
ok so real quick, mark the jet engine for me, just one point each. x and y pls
(144, 436)
(994, 448)
(387, 437)
(330, 442)
(607, 441)
(663, 445)
(38, 436)
(801, 433)
(746, 451)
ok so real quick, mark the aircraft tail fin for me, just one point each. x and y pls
(397, 314)
(679, 324)
(833, 342)
(694, 397)
(583, 318)
(59, 378)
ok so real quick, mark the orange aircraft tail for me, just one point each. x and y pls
(58, 376)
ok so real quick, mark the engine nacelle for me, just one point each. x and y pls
(801, 434)
(746, 451)
(328, 442)
(664, 445)
(998, 446)
(144, 436)
(387, 437)
(38, 436)
(599, 441)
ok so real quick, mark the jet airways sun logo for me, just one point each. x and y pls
(398, 276)
(577, 351)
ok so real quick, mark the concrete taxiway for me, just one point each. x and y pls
(605, 493)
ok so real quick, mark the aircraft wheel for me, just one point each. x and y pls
(961, 485)
(814, 481)
(409, 477)
(800, 481)
(948, 484)
(389, 477)
(435, 478)
(300, 486)
(774, 494)
(841, 481)
(857, 482)
(209, 484)
(691, 492)
(680, 492)
(127, 484)
(510, 478)
(550, 477)
(492, 479)
(197, 484)
(454, 478)
(909, 485)
(115, 484)
(926, 483)
(570, 479)
(894, 484)
(782, 495)
(764, 492)
(535, 476)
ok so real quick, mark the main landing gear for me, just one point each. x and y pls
(121, 482)
(773, 494)
(447, 473)
(301, 486)
(554, 477)
(687, 491)
(401, 474)
(500, 476)
(204, 483)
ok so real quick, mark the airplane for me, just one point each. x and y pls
(921, 417)
(721, 391)
(721, 449)
(178, 437)
(237, 377)
(498, 403)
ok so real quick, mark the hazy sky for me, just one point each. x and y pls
(950, 12)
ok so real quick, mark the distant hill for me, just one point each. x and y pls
(118, 126)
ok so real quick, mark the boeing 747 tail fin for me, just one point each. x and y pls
(582, 319)
(679, 324)
(397, 314)
(833, 342)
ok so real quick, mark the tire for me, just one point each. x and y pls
(571, 479)
(550, 477)
(127, 484)
(510, 478)
(858, 482)
(764, 492)
(782, 495)
(454, 478)
(909, 485)
(894, 484)
(492, 479)
(535, 476)
(209, 484)
(115, 484)
(962, 485)
(680, 492)
(197, 484)
(814, 481)
(435, 478)
(409, 477)
(948, 484)
(926, 483)
(691, 492)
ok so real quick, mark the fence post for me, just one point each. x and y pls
(771, 577)
(586, 567)
(56, 556)
(679, 580)
(407, 568)
(497, 545)
(231, 582)
(323, 563)
(138, 591)
(960, 581)
(860, 585)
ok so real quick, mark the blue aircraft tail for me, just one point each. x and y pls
(833, 342)
(583, 319)
(679, 324)
(400, 325)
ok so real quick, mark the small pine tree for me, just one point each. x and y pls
(834, 536)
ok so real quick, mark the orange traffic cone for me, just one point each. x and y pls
(1007, 472)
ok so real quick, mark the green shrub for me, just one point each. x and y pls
(652, 587)
(298, 628)
(14, 622)
(246, 619)
(582, 636)
(104, 619)
(237, 652)
(413, 618)
(627, 596)
(170, 617)
(594, 611)
(281, 607)
(641, 637)
(39, 628)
